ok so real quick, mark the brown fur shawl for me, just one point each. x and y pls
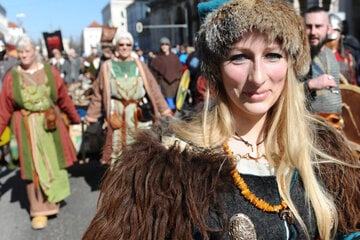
(158, 192)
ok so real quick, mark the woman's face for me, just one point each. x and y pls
(124, 48)
(27, 56)
(254, 75)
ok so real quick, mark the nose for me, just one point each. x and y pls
(311, 29)
(257, 74)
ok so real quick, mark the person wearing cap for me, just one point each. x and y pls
(256, 164)
(167, 70)
(321, 86)
(343, 55)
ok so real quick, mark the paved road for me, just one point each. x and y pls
(74, 216)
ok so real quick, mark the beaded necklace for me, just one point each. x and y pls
(282, 208)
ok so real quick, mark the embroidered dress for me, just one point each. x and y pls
(126, 90)
(44, 158)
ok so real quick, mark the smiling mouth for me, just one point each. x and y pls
(257, 96)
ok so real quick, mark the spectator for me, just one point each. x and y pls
(322, 85)
(167, 70)
(343, 55)
(75, 65)
(62, 64)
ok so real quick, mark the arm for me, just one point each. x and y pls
(155, 91)
(6, 102)
(64, 101)
(95, 108)
(321, 82)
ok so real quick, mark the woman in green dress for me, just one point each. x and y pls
(32, 97)
(122, 83)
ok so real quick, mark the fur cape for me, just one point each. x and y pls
(162, 191)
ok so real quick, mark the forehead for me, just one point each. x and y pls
(316, 18)
(27, 47)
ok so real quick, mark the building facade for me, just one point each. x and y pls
(166, 17)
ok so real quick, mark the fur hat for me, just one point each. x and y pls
(227, 24)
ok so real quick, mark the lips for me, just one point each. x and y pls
(257, 95)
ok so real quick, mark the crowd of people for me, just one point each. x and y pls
(262, 157)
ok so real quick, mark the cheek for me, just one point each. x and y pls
(278, 72)
(233, 76)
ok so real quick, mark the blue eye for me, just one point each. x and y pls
(238, 58)
(273, 56)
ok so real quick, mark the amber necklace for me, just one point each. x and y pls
(259, 203)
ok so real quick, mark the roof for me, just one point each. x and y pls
(95, 24)
(13, 25)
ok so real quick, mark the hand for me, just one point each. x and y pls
(168, 113)
(321, 82)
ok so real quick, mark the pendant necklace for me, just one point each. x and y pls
(282, 209)
(254, 154)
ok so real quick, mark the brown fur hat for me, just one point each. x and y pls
(227, 24)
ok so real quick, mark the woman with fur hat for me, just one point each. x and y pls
(255, 164)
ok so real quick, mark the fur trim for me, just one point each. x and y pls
(158, 192)
(227, 24)
(342, 182)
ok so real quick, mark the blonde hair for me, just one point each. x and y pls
(290, 128)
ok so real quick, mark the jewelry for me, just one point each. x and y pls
(241, 227)
(282, 208)
(121, 82)
(254, 154)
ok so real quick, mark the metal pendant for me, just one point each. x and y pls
(241, 228)
(287, 215)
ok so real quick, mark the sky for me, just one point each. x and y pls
(69, 16)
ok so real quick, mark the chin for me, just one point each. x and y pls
(257, 110)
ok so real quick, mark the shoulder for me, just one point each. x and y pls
(161, 143)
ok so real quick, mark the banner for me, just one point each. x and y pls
(107, 35)
(53, 40)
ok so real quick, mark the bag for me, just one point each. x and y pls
(50, 120)
(145, 111)
(115, 120)
(93, 139)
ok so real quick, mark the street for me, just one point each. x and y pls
(75, 214)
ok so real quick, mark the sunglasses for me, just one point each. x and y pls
(124, 44)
